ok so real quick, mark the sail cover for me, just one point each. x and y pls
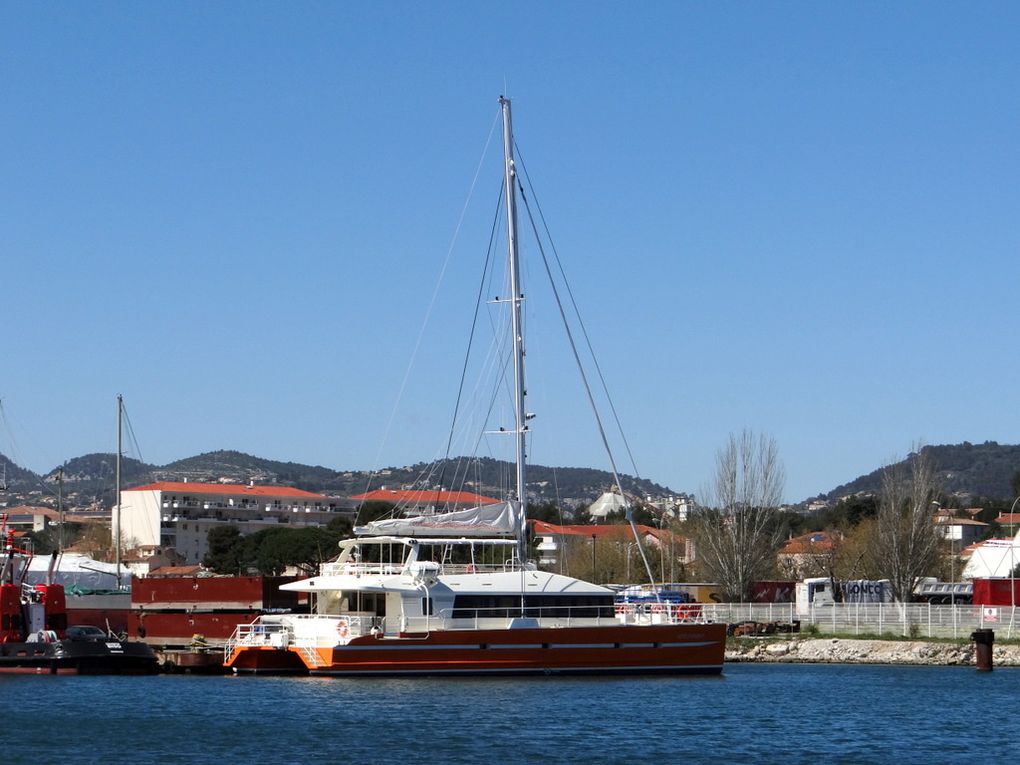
(487, 520)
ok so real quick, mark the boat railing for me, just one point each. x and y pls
(261, 632)
(363, 568)
(660, 613)
(448, 569)
(303, 630)
(350, 568)
(566, 616)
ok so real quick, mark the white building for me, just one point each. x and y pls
(960, 531)
(178, 515)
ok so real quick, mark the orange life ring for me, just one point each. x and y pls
(657, 608)
(341, 628)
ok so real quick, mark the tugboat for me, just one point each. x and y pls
(35, 637)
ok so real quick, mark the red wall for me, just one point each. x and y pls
(239, 591)
(171, 610)
(162, 628)
(996, 592)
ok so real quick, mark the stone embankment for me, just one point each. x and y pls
(851, 651)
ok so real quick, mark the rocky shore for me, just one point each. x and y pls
(851, 651)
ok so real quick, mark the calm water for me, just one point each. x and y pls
(755, 714)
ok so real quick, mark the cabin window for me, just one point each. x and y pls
(426, 607)
(538, 606)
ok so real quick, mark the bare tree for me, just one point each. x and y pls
(737, 535)
(907, 543)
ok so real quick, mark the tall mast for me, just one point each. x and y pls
(521, 429)
(120, 415)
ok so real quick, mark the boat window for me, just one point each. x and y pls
(535, 605)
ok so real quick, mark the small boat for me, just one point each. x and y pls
(453, 593)
(35, 637)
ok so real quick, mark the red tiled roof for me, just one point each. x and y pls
(959, 522)
(422, 496)
(816, 542)
(31, 510)
(187, 487)
(1009, 519)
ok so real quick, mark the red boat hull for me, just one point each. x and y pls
(657, 649)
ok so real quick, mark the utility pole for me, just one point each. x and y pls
(60, 509)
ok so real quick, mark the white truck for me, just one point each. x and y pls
(823, 591)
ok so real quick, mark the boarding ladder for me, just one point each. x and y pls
(310, 656)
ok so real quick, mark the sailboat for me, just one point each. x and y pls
(454, 594)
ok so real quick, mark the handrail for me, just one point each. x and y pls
(444, 569)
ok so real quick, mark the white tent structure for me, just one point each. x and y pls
(608, 503)
(75, 570)
(993, 559)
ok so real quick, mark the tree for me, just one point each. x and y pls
(547, 511)
(907, 543)
(374, 510)
(225, 546)
(852, 510)
(738, 535)
(96, 542)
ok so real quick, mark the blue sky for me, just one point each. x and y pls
(794, 217)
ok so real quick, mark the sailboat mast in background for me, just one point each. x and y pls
(521, 426)
(120, 448)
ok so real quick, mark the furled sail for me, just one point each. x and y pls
(497, 519)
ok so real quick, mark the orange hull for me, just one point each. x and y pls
(658, 649)
(266, 660)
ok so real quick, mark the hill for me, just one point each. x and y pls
(974, 470)
(571, 486)
(90, 479)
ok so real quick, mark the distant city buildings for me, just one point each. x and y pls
(178, 515)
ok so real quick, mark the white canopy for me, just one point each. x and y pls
(484, 521)
(992, 559)
(77, 570)
(610, 502)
